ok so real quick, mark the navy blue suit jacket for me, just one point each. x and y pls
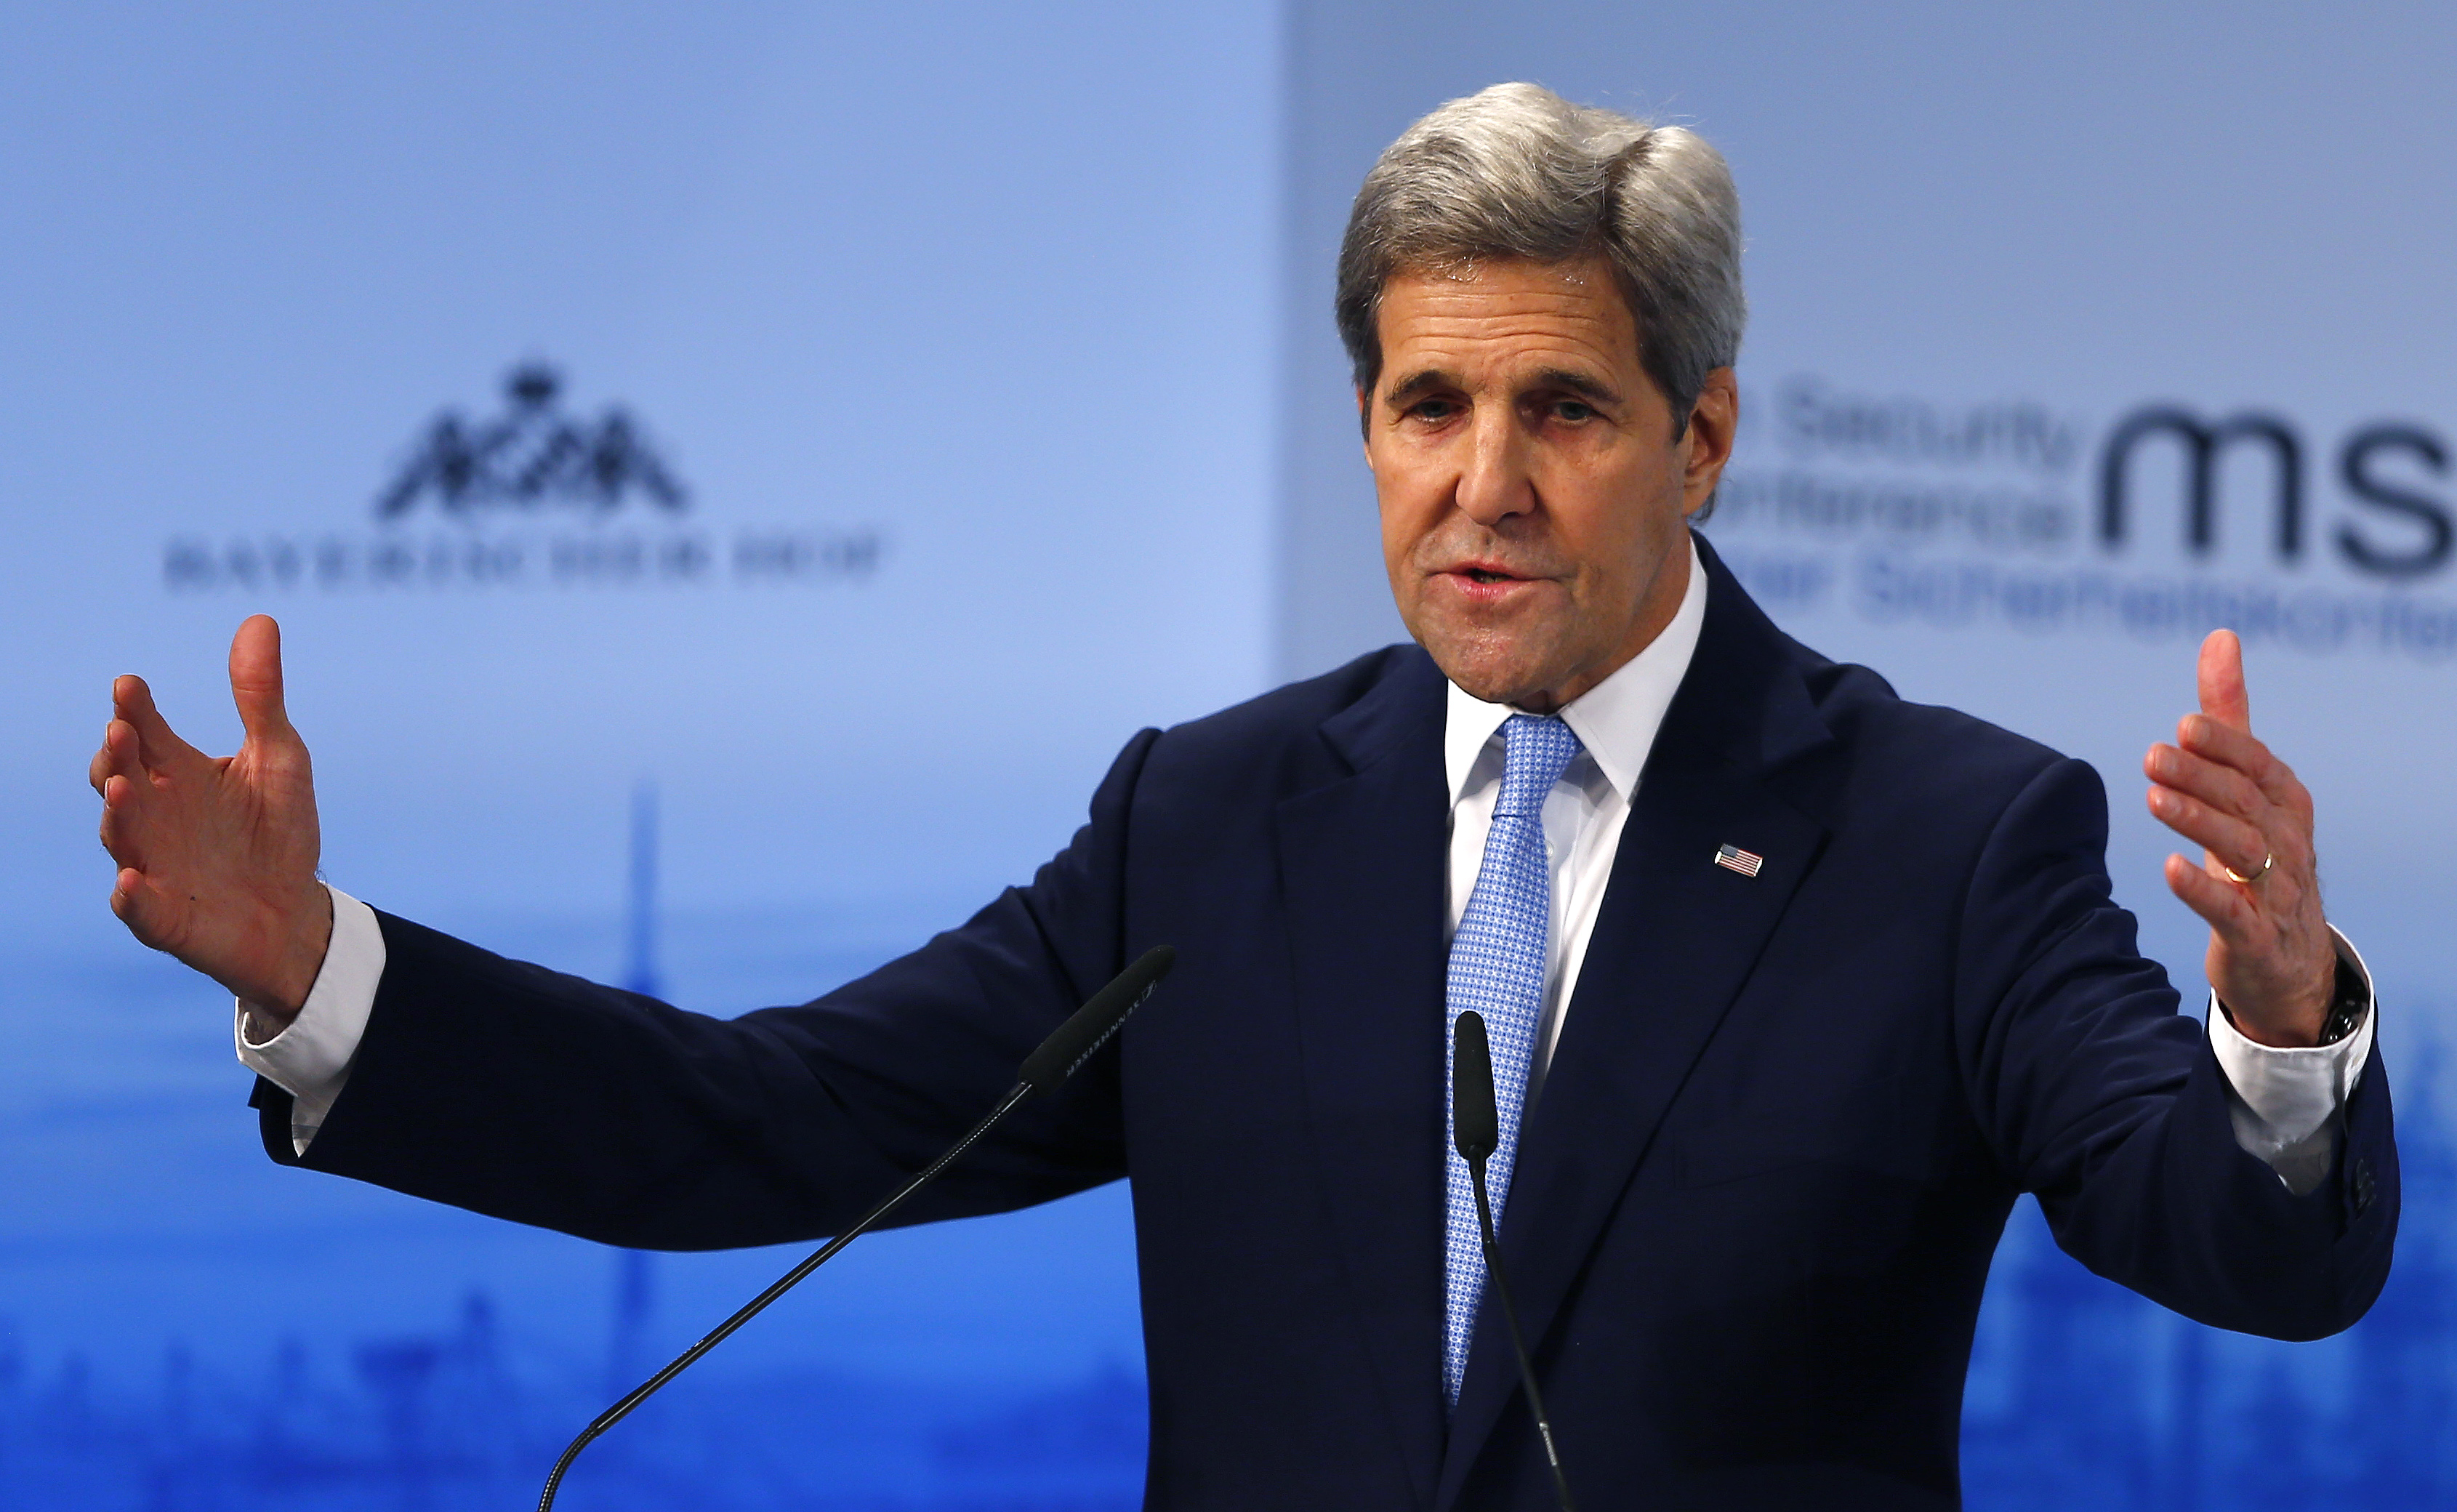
(1753, 1214)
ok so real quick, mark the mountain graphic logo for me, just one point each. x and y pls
(530, 458)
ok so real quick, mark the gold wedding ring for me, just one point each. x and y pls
(2266, 862)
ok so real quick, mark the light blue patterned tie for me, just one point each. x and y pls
(1497, 968)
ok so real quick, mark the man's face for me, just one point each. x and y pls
(1534, 499)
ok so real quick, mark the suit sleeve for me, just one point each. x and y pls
(528, 1094)
(2110, 1104)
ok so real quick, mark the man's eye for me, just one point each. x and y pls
(1573, 410)
(1432, 410)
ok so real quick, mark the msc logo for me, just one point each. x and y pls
(531, 457)
(2404, 533)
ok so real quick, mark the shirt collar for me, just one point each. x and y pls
(1616, 719)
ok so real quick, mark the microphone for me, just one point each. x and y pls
(1060, 1056)
(1475, 1127)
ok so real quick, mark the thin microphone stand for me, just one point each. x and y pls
(1059, 1057)
(1475, 1125)
(783, 1284)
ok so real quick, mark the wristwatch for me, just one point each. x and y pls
(2346, 1005)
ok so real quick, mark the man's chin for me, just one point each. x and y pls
(1496, 673)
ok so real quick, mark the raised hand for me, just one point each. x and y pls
(2271, 959)
(218, 855)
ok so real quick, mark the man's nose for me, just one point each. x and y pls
(1494, 482)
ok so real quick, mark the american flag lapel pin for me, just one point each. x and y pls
(1731, 857)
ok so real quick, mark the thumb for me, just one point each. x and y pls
(255, 678)
(2223, 697)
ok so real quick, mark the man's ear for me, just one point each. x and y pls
(1714, 418)
(1364, 417)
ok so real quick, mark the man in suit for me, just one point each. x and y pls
(1793, 987)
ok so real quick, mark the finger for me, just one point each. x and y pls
(255, 678)
(2227, 746)
(2234, 841)
(2205, 736)
(2221, 675)
(122, 753)
(161, 746)
(2220, 786)
(138, 906)
(2222, 904)
(123, 826)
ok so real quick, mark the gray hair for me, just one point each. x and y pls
(1517, 173)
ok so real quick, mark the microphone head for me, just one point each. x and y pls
(1072, 1042)
(1476, 1124)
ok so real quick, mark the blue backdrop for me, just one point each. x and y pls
(844, 427)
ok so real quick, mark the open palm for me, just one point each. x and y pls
(217, 854)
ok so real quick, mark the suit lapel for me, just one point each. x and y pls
(1675, 937)
(1361, 871)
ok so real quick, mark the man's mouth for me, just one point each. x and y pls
(1485, 585)
(1485, 577)
(1484, 574)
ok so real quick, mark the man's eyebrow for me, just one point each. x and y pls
(1567, 380)
(1417, 382)
(1584, 384)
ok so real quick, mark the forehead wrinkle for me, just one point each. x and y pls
(1506, 316)
(1519, 284)
(1454, 343)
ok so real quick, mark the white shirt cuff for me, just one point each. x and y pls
(2285, 1103)
(310, 1059)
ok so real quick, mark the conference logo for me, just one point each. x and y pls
(533, 494)
(2159, 523)
(531, 457)
(2391, 530)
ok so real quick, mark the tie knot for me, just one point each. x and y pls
(1535, 751)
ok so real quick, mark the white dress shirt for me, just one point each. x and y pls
(2285, 1103)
